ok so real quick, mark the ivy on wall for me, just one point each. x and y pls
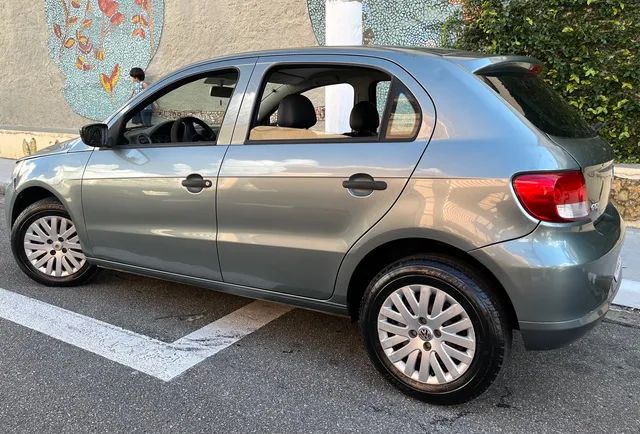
(589, 49)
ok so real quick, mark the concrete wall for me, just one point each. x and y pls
(625, 193)
(30, 84)
(31, 97)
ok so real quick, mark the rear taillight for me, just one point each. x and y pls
(535, 69)
(553, 196)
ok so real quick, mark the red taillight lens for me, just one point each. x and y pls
(535, 69)
(553, 196)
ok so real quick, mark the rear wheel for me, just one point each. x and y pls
(434, 329)
(46, 246)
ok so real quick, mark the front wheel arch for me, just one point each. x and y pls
(27, 197)
(64, 250)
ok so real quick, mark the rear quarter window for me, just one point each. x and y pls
(540, 104)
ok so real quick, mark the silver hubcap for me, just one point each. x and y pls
(426, 334)
(53, 248)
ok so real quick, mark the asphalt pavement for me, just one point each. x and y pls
(302, 372)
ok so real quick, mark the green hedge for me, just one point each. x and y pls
(589, 48)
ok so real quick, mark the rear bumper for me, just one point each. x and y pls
(560, 280)
(550, 335)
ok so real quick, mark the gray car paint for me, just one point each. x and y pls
(559, 278)
(158, 224)
(59, 173)
(285, 220)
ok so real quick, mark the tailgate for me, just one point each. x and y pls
(595, 157)
(522, 87)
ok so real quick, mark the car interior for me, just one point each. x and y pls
(187, 112)
(291, 107)
(287, 113)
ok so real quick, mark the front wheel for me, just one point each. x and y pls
(433, 327)
(46, 246)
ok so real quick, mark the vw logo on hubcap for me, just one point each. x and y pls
(425, 334)
(414, 333)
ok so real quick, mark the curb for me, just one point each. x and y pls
(627, 171)
(628, 294)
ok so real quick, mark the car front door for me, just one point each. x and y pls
(289, 209)
(149, 200)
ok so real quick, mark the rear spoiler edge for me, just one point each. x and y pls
(494, 64)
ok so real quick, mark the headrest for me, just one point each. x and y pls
(364, 117)
(296, 111)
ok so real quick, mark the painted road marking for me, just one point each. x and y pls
(153, 357)
(629, 294)
(160, 359)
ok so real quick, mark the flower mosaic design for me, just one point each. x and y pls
(395, 22)
(94, 41)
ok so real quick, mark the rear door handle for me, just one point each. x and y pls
(194, 183)
(363, 181)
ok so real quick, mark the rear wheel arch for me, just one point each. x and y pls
(387, 253)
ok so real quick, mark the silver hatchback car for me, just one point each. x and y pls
(441, 198)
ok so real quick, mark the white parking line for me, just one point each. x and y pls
(629, 294)
(153, 357)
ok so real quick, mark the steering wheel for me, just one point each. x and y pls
(184, 130)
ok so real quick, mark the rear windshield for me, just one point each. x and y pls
(540, 104)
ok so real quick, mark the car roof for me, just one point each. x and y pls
(468, 59)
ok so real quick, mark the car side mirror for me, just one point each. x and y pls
(95, 135)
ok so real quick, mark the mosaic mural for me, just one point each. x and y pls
(96, 42)
(394, 22)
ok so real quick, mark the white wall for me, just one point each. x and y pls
(343, 27)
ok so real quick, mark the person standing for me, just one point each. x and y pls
(144, 116)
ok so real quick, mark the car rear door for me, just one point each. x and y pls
(139, 207)
(289, 211)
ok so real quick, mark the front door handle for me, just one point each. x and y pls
(194, 183)
(362, 184)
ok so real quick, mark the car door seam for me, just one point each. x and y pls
(84, 220)
(415, 167)
(233, 131)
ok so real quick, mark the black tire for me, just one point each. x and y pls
(491, 327)
(43, 208)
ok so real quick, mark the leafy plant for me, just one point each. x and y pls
(589, 49)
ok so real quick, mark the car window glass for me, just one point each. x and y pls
(405, 116)
(382, 94)
(540, 104)
(206, 99)
(323, 99)
(317, 97)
